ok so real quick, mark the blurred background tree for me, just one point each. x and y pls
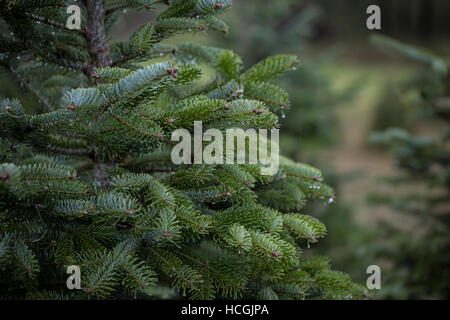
(421, 259)
(423, 20)
(311, 123)
(267, 27)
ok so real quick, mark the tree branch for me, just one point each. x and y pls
(30, 88)
(51, 22)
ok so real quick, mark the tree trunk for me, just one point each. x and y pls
(99, 56)
(98, 47)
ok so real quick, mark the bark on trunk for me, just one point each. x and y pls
(98, 47)
(99, 56)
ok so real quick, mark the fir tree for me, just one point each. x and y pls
(88, 180)
(421, 261)
(291, 26)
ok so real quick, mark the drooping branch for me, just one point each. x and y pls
(52, 23)
(48, 106)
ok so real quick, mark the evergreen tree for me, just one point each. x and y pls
(421, 260)
(293, 26)
(290, 26)
(88, 180)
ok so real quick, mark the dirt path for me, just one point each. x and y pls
(354, 154)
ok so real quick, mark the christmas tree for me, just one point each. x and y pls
(88, 180)
(291, 26)
(420, 257)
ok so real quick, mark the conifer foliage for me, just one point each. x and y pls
(424, 161)
(88, 180)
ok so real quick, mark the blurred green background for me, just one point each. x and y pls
(348, 87)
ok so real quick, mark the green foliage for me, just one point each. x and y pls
(91, 183)
(421, 261)
(288, 26)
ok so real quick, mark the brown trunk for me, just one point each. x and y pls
(98, 47)
(99, 56)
